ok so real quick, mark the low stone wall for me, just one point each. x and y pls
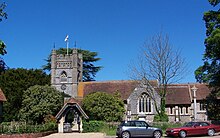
(29, 135)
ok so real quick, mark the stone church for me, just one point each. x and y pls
(184, 102)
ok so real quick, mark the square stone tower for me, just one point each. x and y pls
(66, 72)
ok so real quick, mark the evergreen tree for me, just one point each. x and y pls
(3, 15)
(13, 83)
(210, 71)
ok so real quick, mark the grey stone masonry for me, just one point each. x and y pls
(144, 87)
(66, 72)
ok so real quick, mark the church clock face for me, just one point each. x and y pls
(63, 87)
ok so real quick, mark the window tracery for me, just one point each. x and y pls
(145, 103)
(63, 77)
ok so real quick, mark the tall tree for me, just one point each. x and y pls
(209, 72)
(158, 60)
(39, 102)
(3, 15)
(89, 69)
(14, 82)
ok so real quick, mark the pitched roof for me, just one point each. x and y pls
(202, 91)
(182, 93)
(2, 96)
(69, 104)
(177, 93)
(124, 87)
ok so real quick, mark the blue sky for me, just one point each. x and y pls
(116, 29)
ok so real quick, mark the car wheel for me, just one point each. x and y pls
(182, 134)
(211, 132)
(125, 134)
(157, 134)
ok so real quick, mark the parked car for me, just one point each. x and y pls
(193, 128)
(137, 128)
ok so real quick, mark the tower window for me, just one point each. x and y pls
(63, 77)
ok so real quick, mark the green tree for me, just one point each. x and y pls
(3, 15)
(14, 82)
(39, 102)
(89, 69)
(209, 72)
(104, 107)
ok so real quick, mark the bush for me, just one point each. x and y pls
(165, 125)
(109, 129)
(93, 126)
(23, 127)
(40, 103)
(103, 106)
(163, 118)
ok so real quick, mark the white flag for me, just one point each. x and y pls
(66, 39)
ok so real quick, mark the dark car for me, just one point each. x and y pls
(193, 128)
(137, 128)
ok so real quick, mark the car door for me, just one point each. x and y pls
(200, 128)
(203, 128)
(192, 128)
(141, 129)
(132, 128)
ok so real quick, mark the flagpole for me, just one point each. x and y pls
(67, 47)
(67, 44)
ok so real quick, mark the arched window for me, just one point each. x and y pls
(63, 77)
(145, 103)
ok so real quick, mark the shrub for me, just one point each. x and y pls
(23, 127)
(93, 126)
(163, 118)
(165, 125)
(103, 106)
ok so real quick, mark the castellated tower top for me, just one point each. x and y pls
(66, 71)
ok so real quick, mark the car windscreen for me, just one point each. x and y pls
(127, 123)
(189, 124)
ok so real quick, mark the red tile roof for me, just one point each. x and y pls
(202, 91)
(177, 93)
(72, 100)
(124, 87)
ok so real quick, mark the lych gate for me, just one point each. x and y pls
(70, 117)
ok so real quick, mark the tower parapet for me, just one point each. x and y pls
(66, 72)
